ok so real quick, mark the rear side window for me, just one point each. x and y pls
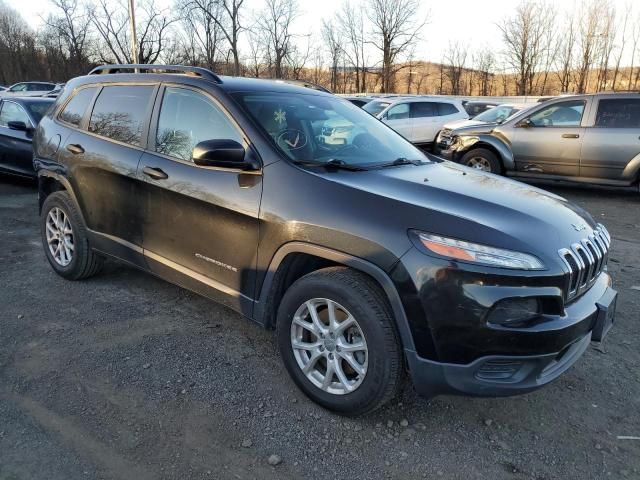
(618, 113)
(12, 112)
(120, 113)
(188, 118)
(74, 110)
(446, 109)
(423, 109)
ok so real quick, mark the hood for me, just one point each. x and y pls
(469, 127)
(449, 199)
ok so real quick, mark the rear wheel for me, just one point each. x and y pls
(338, 342)
(65, 240)
(481, 159)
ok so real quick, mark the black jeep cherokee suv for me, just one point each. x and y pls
(368, 258)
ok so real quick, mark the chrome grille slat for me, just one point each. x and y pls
(585, 260)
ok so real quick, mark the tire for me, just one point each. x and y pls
(380, 362)
(79, 261)
(482, 159)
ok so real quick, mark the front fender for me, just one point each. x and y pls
(465, 143)
(379, 275)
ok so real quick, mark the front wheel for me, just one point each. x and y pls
(481, 159)
(338, 342)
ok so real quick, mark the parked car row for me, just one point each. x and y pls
(369, 258)
(580, 138)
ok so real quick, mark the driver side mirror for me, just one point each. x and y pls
(525, 123)
(18, 125)
(223, 154)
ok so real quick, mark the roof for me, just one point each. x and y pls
(130, 72)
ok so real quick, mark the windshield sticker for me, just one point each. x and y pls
(280, 116)
(292, 139)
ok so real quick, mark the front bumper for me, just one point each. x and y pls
(497, 375)
(458, 352)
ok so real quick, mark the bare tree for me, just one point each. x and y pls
(68, 29)
(524, 35)
(225, 16)
(623, 40)
(352, 28)
(455, 61)
(484, 63)
(110, 20)
(201, 32)
(333, 43)
(565, 57)
(274, 26)
(588, 42)
(395, 30)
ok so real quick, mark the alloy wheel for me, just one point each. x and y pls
(479, 163)
(59, 236)
(329, 346)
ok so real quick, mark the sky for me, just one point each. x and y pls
(469, 22)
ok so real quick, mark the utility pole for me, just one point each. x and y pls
(134, 39)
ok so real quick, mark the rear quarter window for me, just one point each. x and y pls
(120, 113)
(446, 109)
(74, 110)
(618, 113)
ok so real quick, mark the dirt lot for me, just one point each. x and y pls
(125, 376)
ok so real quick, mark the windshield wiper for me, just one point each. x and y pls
(401, 161)
(331, 163)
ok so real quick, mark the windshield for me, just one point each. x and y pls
(38, 110)
(319, 128)
(375, 107)
(497, 114)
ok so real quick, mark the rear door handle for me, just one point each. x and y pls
(75, 148)
(155, 173)
(570, 135)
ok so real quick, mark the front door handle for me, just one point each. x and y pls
(155, 173)
(570, 135)
(75, 148)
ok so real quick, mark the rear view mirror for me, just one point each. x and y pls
(222, 154)
(525, 123)
(18, 125)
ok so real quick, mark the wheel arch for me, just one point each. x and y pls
(493, 144)
(295, 259)
(50, 182)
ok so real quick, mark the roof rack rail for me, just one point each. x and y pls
(304, 83)
(150, 68)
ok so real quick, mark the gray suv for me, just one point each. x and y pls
(582, 138)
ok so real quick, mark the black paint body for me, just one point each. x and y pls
(230, 235)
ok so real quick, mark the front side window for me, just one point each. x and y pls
(423, 109)
(398, 112)
(375, 107)
(120, 113)
(317, 128)
(74, 111)
(12, 112)
(618, 113)
(188, 118)
(446, 109)
(563, 114)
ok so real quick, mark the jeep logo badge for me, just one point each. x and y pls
(578, 226)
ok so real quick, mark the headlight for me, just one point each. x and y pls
(481, 254)
(513, 312)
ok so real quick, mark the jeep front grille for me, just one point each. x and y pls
(585, 260)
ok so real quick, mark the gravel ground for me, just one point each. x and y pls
(125, 376)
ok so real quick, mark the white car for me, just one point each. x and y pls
(28, 89)
(418, 119)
